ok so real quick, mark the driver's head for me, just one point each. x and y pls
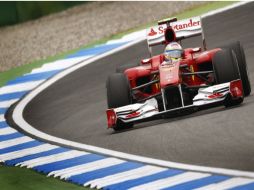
(173, 51)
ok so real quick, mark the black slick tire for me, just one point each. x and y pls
(118, 95)
(225, 66)
(226, 69)
(243, 68)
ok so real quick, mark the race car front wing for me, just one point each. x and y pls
(222, 93)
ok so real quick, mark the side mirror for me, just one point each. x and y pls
(195, 50)
(146, 61)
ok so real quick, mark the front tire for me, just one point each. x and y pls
(225, 70)
(241, 59)
(118, 95)
(225, 66)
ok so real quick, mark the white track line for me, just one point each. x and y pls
(65, 174)
(171, 181)
(6, 104)
(20, 87)
(26, 152)
(7, 131)
(52, 158)
(16, 141)
(230, 183)
(124, 176)
(74, 170)
(129, 37)
(60, 64)
(217, 11)
(18, 118)
(2, 117)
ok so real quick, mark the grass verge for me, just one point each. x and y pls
(26, 179)
(14, 177)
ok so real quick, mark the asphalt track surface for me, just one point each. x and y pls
(74, 108)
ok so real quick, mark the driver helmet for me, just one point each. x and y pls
(173, 51)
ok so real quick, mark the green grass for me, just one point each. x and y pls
(204, 9)
(18, 178)
(26, 179)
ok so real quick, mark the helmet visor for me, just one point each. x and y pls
(174, 53)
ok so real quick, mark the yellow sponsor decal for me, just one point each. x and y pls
(192, 70)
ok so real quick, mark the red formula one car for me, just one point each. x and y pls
(159, 87)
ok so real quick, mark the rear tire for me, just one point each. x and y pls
(118, 95)
(240, 55)
(225, 70)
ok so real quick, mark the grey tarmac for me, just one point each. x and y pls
(74, 108)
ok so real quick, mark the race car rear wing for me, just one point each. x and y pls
(182, 29)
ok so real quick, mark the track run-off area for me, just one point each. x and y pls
(73, 108)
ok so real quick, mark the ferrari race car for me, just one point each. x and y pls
(158, 88)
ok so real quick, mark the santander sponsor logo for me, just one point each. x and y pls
(186, 25)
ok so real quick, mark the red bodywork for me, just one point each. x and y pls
(171, 75)
(175, 84)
